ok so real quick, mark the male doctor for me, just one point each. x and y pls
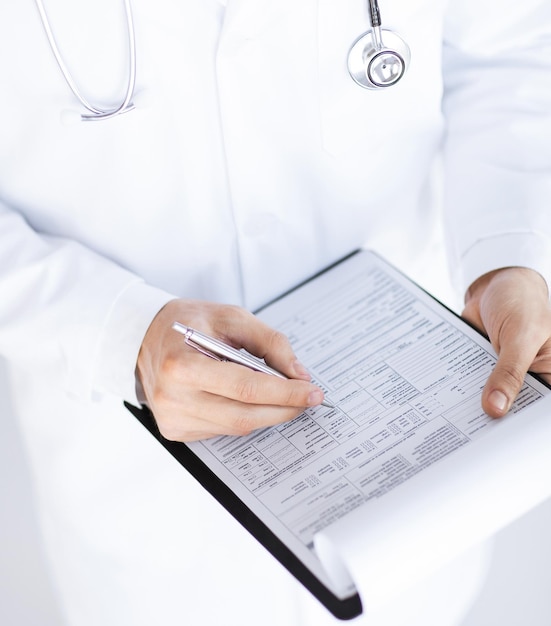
(254, 161)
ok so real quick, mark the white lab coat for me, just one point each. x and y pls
(253, 162)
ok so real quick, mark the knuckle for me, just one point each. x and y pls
(276, 339)
(298, 393)
(174, 424)
(158, 395)
(169, 433)
(168, 427)
(511, 374)
(169, 367)
(243, 425)
(247, 390)
(183, 370)
(229, 312)
(295, 397)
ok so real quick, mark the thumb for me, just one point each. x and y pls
(507, 378)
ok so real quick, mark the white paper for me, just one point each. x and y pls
(374, 481)
(445, 510)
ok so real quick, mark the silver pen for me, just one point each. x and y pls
(216, 349)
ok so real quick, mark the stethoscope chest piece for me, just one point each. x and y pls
(374, 65)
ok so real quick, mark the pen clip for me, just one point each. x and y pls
(202, 350)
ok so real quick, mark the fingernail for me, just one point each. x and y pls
(498, 400)
(301, 371)
(315, 398)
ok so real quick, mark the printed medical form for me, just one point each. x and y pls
(405, 376)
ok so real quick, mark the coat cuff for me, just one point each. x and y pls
(531, 250)
(121, 339)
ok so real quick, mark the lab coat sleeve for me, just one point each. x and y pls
(497, 153)
(68, 314)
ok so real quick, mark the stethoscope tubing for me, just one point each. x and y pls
(371, 64)
(96, 113)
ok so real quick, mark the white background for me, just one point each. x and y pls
(516, 593)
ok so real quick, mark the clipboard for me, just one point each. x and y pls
(404, 409)
(343, 609)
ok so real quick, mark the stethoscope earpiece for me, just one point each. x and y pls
(380, 57)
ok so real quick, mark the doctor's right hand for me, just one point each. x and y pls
(195, 397)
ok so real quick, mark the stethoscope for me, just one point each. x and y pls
(375, 63)
(377, 60)
(95, 113)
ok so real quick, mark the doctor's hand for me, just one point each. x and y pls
(194, 397)
(511, 306)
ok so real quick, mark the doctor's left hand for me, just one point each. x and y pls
(195, 397)
(511, 306)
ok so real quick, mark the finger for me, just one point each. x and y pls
(471, 313)
(240, 419)
(245, 330)
(507, 378)
(209, 416)
(546, 377)
(237, 382)
(542, 363)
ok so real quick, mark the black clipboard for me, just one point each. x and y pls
(346, 606)
(343, 609)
